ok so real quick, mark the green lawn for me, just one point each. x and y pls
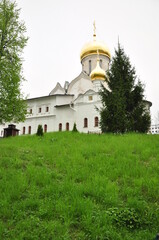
(77, 186)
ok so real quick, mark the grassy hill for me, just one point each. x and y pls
(75, 186)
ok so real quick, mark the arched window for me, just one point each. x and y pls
(90, 67)
(96, 121)
(67, 126)
(60, 126)
(45, 128)
(100, 63)
(23, 130)
(29, 129)
(85, 122)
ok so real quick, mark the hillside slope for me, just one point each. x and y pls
(75, 186)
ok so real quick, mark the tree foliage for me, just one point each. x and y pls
(12, 43)
(123, 102)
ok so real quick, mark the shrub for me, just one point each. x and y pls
(40, 131)
(74, 128)
(126, 217)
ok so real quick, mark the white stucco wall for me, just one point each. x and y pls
(86, 108)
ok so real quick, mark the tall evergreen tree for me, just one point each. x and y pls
(12, 43)
(123, 103)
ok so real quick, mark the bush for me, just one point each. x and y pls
(126, 217)
(40, 131)
(74, 128)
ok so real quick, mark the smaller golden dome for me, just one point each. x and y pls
(98, 73)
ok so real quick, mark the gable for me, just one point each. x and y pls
(57, 90)
(88, 97)
(80, 85)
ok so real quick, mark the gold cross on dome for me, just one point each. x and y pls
(97, 54)
(94, 24)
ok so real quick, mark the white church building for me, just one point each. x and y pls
(76, 102)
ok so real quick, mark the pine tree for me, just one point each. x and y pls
(123, 103)
(40, 131)
(74, 128)
(12, 42)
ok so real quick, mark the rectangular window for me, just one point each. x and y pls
(40, 110)
(47, 109)
(90, 98)
(31, 111)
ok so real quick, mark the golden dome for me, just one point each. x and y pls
(92, 47)
(98, 73)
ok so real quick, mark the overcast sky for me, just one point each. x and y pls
(58, 29)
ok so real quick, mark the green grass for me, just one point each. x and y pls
(75, 186)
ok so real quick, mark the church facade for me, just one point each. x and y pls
(76, 102)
